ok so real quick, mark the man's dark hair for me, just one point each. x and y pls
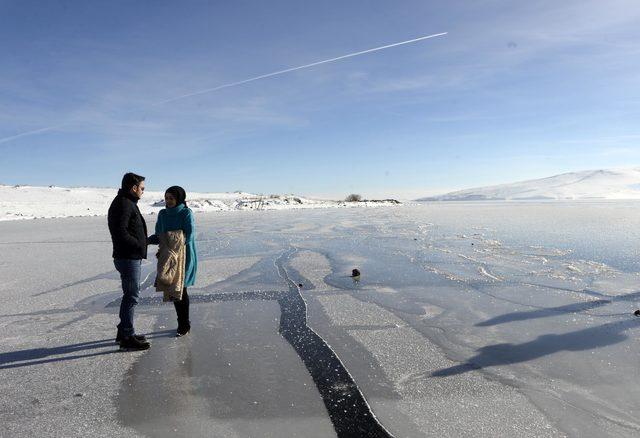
(131, 179)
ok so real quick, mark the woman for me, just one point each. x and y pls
(177, 216)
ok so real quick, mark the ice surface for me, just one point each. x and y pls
(475, 320)
(224, 379)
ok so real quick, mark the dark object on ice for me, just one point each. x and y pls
(78, 394)
(140, 338)
(637, 312)
(300, 285)
(130, 343)
(471, 243)
(355, 275)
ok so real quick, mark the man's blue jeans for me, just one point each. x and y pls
(130, 275)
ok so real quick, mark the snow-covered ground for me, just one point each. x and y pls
(588, 184)
(469, 320)
(29, 202)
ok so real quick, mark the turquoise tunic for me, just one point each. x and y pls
(181, 218)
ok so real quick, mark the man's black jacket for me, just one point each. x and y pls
(127, 227)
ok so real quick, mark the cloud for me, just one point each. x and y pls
(126, 107)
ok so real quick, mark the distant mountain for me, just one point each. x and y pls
(588, 184)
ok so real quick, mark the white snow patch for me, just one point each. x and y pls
(484, 272)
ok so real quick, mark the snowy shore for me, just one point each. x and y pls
(31, 202)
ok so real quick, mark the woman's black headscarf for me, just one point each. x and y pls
(178, 193)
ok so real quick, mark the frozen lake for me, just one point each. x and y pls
(478, 320)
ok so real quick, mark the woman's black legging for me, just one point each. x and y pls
(182, 310)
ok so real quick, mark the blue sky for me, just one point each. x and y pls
(515, 90)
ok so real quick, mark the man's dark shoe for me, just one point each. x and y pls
(140, 338)
(182, 331)
(131, 343)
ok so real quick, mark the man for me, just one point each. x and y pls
(129, 236)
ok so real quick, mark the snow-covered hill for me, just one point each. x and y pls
(588, 184)
(29, 202)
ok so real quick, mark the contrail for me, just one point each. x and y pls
(268, 75)
(233, 84)
(25, 134)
